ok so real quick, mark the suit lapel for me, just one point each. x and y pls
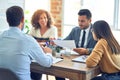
(77, 37)
(89, 36)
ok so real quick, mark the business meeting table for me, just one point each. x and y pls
(67, 69)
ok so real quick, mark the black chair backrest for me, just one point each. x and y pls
(6, 74)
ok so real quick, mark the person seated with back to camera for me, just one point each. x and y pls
(18, 49)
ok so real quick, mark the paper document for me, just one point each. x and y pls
(80, 58)
(55, 60)
(65, 43)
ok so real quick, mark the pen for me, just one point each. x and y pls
(47, 44)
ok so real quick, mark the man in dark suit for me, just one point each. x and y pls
(82, 34)
(84, 20)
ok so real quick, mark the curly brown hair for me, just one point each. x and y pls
(35, 18)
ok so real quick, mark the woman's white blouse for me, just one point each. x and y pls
(50, 33)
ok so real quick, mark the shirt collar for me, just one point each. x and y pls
(14, 28)
(87, 30)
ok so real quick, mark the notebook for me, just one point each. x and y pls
(80, 58)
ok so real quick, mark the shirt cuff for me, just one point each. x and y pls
(49, 54)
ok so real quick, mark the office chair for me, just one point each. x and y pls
(6, 74)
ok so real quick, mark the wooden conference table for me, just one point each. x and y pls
(67, 69)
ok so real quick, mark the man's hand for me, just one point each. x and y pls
(81, 51)
(47, 50)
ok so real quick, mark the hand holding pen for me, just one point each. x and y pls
(47, 43)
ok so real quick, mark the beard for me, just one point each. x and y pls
(83, 27)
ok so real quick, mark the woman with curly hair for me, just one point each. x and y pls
(42, 23)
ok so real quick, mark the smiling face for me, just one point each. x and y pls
(83, 21)
(43, 20)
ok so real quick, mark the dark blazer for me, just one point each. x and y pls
(75, 35)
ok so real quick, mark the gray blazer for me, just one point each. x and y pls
(75, 35)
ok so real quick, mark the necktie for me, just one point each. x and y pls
(83, 39)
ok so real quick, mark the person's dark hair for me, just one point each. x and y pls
(36, 16)
(14, 15)
(85, 12)
(102, 30)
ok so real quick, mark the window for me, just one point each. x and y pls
(118, 11)
(100, 9)
(70, 15)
